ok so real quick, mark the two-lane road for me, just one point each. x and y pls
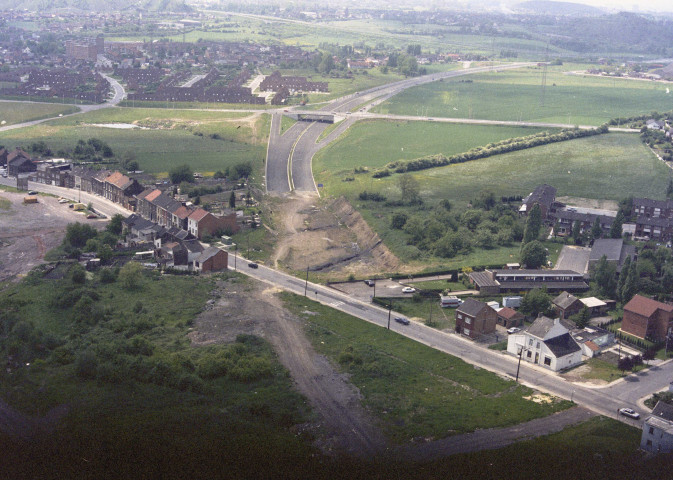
(605, 400)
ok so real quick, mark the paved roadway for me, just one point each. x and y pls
(603, 400)
(100, 204)
(293, 151)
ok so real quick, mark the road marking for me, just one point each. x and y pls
(337, 304)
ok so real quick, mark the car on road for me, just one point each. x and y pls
(408, 290)
(369, 283)
(32, 192)
(92, 216)
(402, 320)
(253, 265)
(627, 412)
(513, 330)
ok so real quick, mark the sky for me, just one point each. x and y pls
(630, 5)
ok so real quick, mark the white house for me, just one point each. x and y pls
(546, 342)
(658, 430)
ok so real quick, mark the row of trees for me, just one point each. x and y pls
(496, 148)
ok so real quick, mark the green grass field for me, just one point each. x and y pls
(424, 379)
(377, 142)
(610, 166)
(170, 137)
(516, 95)
(18, 112)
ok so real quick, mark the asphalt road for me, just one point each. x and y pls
(293, 151)
(603, 400)
(100, 204)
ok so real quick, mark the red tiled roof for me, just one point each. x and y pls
(198, 214)
(182, 212)
(152, 195)
(118, 179)
(592, 346)
(507, 313)
(646, 306)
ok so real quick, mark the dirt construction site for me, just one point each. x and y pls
(28, 231)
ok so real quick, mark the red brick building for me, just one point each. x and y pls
(201, 223)
(647, 318)
(212, 259)
(475, 318)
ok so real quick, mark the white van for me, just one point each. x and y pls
(450, 301)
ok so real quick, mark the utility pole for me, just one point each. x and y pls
(390, 307)
(235, 256)
(519, 364)
(306, 284)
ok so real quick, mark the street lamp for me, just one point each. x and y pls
(390, 307)
(306, 284)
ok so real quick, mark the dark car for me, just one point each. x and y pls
(402, 320)
(253, 265)
(369, 283)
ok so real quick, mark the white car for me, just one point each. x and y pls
(629, 413)
(408, 290)
(513, 330)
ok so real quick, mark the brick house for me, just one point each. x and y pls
(567, 305)
(475, 318)
(122, 190)
(508, 317)
(19, 162)
(212, 259)
(544, 196)
(201, 223)
(647, 318)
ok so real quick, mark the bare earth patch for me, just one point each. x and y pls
(342, 424)
(328, 235)
(589, 203)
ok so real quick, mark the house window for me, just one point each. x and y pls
(538, 345)
(467, 331)
(649, 443)
(459, 316)
(468, 320)
(651, 430)
(530, 342)
(547, 361)
(529, 354)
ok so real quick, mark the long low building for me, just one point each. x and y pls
(493, 282)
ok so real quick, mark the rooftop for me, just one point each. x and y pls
(610, 247)
(646, 306)
(472, 307)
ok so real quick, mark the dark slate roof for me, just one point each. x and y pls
(648, 202)
(654, 221)
(566, 216)
(483, 279)
(193, 245)
(163, 201)
(663, 410)
(610, 247)
(471, 307)
(562, 345)
(543, 194)
(565, 300)
(541, 326)
(528, 285)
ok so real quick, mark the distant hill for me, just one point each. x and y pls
(621, 32)
(543, 7)
(97, 5)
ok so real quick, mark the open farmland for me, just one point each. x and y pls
(375, 143)
(209, 141)
(18, 112)
(516, 95)
(609, 166)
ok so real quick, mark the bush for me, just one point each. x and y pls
(86, 364)
(248, 369)
(77, 274)
(107, 275)
(190, 383)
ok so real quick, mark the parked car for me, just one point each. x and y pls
(513, 330)
(32, 192)
(369, 283)
(92, 216)
(627, 412)
(402, 320)
(253, 265)
(408, 290)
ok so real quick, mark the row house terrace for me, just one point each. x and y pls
(506, 280)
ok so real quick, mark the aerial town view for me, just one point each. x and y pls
(274, 239)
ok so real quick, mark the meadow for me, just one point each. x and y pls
(208, 141)
(424, 379)
(19, 112)
(517, 95)
(374, 143)
(610, 166)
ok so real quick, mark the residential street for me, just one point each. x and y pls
(602, 400)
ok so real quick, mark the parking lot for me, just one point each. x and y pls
(382, 288)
